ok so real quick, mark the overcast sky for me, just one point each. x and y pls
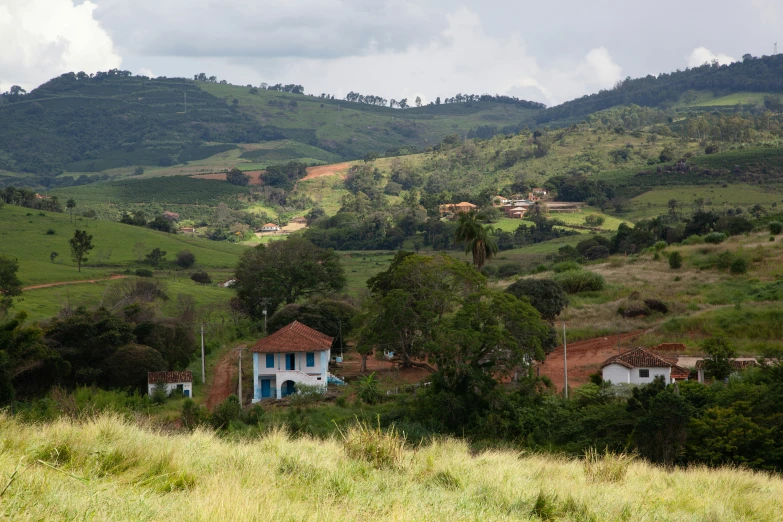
(549, 51)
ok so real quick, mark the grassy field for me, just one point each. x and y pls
(716, 197)
(109, 469)
(707, 99)
(23, 234)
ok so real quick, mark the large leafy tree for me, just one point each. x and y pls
(410, 299)
(719, 354)
(333, 318)
(545, 295)
(477, 238)
(80, 243)
(284, 272)
(10, 285)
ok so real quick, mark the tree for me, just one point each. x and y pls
(673, 203)
(284, 272)
(371, 156)
(544, 295)
(719, 355)
(201, 278)
(10, 285)
(185, 259)
(128, 366)
(70, 205)
(477, 238)
(418, 101)
(410, 299)
(53, 255)
(594, 220)
(155, 256)
(237, 177)
(675, 260)
(81, 243)
(331, 317)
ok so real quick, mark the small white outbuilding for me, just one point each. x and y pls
(641, 366)
(171, 381)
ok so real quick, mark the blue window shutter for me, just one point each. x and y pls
(270, 360)
(310, 360)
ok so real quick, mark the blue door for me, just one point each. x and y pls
(187, 393)
(290, 361)
(266, 388)
(289, 388)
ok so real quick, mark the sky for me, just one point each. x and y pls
(549, 51)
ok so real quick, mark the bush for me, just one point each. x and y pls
(193, 415)
(659, 245)
(723, 261)
(656, 306)
(775, 227)
(50, 232)
(201, 278)
(129, 365)
(545, 295)
(368, 389)
(675, 260)
(633, 311)
(185, 259)
(381, 449)
(143, 272)
(739, 266)
(596, 252)
(225, 412)
(695, 239)
(566, 266)
(508, 270)
(594, 220)
(715, 238)
(575, 281)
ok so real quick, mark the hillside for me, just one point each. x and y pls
(755, 75)
(115, 470)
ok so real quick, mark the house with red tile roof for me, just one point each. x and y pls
(641, 366)
(295, 354)
(171, 382)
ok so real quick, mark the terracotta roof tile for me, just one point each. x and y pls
(639, 358)
(678, 372)
(169, 377)
(294, 337)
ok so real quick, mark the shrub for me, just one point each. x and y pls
(659, 245)
(594, 220)
(50, 232)
(368, 389)
(596, 252)
(159, 395)
(723, 261)
(565, 266)
(225, 412)
(695, 239)
(185, 259)
(381, 449)
(508, 270)
(715, 238)
(656, 306)
(775, 227)
(609, 467)
(739, 266)
(575, 281)
(545, 295)
(129, 365)
(633, 311)
(675, 260)
(201, 278)
(193, 415)
(143, 272)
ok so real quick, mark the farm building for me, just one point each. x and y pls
(641, 366)
(171, 381)
(270, 227)
(295, 354)
(456, 208)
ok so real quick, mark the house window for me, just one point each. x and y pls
(310, 360)
(644, 373)
(270, 360)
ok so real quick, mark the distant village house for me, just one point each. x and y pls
(171, 382)
(270, 227)
(641, 366)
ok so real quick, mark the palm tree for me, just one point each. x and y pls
(477, 238)
(70, 205)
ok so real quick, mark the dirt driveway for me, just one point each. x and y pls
(584, 358)
(49, 285)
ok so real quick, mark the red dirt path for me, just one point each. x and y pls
(222, 381)
(584, 358)
(49, 285)
(326, 170)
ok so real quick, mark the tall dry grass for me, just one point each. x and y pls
(107, 468)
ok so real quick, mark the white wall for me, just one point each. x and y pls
(172, 386)
(320, 367)
(654, 372)
(617, 374)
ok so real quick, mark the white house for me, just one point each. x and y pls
(270, 227)
(171, 381)
(294, 354)
(641, 366)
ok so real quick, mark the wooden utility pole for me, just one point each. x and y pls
(239, 380)
(565, 362)
(203, 368)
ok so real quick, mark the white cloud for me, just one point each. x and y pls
(768, 11)
(146, 72)
(41, 39)
(462, 58)
(702, 55)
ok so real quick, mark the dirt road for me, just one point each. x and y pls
(255, 176)
(222, 382)
(326, 170)
(584, 358)
(49, 285)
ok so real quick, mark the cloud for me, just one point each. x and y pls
(41, 39)
(702, 55)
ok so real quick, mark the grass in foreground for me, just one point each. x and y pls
(109, 469)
